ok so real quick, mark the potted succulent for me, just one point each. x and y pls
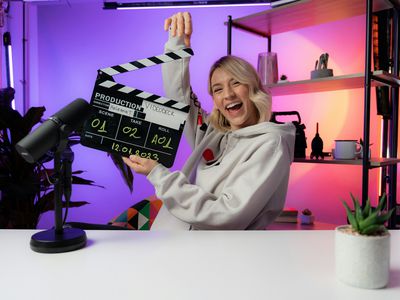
(306, 217)
(362, 249)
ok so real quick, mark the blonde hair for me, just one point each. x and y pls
(245, 73)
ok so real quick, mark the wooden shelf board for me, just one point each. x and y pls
(352, 81)
(304, 13)
(375, 162)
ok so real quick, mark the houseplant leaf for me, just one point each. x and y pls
(125, 171)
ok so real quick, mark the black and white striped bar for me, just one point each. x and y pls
(147, 62)
(157, 109)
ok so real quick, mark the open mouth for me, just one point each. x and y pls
(234, 106)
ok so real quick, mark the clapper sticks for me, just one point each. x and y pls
(127, 121)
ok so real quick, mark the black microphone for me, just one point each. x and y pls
(46, 136)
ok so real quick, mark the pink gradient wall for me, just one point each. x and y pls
(72, 42)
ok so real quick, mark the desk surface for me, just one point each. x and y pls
(184, 265)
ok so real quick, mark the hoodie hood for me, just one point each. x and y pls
(287, 132)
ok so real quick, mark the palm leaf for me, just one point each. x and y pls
(46, 203)
(83, 181)
(125, 171)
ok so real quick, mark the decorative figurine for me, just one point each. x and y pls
(321, 67)
(323, 61)
(317, 145)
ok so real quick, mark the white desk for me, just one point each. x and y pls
(184, 266)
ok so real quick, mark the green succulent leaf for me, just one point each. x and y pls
(367, 209)
(384, 217)
(357, 209)
(382, 203)
(370, 220)
(373, 229)
(351, 217)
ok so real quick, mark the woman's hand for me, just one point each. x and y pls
(181, 24)
(140, 165)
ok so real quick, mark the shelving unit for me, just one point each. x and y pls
(305, 13)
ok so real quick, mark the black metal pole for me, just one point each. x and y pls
(367, 102)
(384, 146)
(229, 35)
(25, 105)
(392, 203)
(269, 43)
(58, 192)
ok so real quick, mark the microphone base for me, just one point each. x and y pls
(51, 242)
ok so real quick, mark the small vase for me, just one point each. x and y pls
(307, 219)
(362, 261)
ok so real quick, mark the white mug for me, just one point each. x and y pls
(346, 149)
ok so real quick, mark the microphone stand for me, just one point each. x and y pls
(60, 239)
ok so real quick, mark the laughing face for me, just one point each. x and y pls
(231, 98)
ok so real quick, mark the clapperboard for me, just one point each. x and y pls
(127, 121)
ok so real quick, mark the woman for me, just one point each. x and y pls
(237, 175)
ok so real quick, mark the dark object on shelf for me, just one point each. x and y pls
(288, 215)
(301, 140)
(283, 78)
(381, 41)
(383, 104)
(326, 154)
(317, 145)
(321, 67)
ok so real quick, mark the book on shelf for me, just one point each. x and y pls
(288, 215)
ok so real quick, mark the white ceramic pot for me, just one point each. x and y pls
(307, 219)
(362, 261)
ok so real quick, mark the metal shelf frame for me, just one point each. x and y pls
(389, 171)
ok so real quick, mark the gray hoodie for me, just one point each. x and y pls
(232, 180)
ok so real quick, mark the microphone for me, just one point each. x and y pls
(54, 132)
(46, 136)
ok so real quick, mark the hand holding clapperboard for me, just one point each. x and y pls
(128, 121)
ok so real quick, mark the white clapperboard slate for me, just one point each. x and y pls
(127, 121)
